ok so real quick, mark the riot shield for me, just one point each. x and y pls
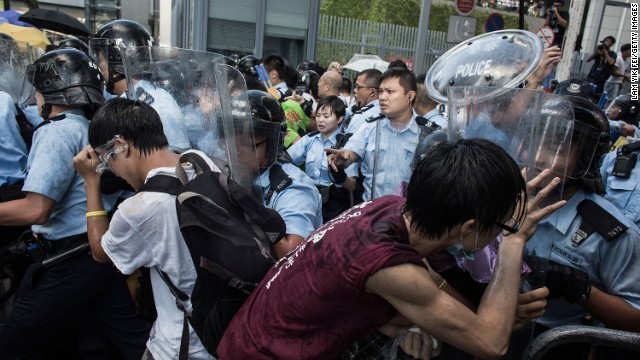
(15, 56)
(536, 129)
(192, 92)
(497, 60)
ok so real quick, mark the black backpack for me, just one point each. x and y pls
(229, 234)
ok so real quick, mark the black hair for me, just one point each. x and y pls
(468, 179)
(334, 103)
(277, 63)
(613, 40)
(137, 122)
(371, 77)
(625, 47)
(398, 63)
(346, 85)
(405, 77)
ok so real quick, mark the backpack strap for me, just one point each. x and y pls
(180, 296)
(198, 163)
(278, 180)
(164, 184)
(231, 279)
(596, 219)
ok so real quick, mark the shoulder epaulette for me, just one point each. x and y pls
(363, 109)
(375, 118)
(49, 121)
(278, 180)
(144, 96)
(313, 133)
(596, 219)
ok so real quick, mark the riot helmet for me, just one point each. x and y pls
(247, 64)
(229, 61)
(625, 109)
(65, 77)
(309, 80)
(425, 144)
(268, 121)
(109, 41)
(590, 141)
(306, 65)
(74, 43)
(575, 87)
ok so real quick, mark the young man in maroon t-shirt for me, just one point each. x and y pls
(364, 270)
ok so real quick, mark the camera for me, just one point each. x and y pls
(626, 160)
(600, 47)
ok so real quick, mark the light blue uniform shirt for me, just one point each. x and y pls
(358, 119)
(13, 151)
(309, 150)
(613, 267)
(394, 156)
(170, 114)
(299, 204)
(51, 173)
(623, 193)
(436, 116)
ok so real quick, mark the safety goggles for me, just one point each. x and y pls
(107, 151)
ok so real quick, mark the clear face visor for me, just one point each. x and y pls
(614, 110)
(28, 91)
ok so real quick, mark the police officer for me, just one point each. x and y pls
(367, 105)
(247, 66)
(74, 43)
(385, 144)
(284, 187)
(595, 249)
(619, 170)
(64, 283)
(106, 47)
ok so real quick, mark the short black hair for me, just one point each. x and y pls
(625, 47)
(406, 78)
(468, 179)
(335, 104)
(613, 40)
(137, 122)
(371, 77)
(398, 63)
(277, 63)
(346, 85)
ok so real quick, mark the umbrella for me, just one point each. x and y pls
(360, 62)
(56, 21)
(30, 35)
(12, 17)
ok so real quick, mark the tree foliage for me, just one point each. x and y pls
(403, 12)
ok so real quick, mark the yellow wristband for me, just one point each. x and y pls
(443, 284)
(96, 213)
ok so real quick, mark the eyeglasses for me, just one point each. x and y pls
(511, 229)
(107, 151)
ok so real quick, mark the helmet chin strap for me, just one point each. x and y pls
(111, 82)
(46, 111)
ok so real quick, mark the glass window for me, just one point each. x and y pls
(286, 29)
(232, 26)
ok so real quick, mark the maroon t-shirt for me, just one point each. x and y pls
(313, 303)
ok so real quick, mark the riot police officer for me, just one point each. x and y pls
(64, 283)
(284, 187)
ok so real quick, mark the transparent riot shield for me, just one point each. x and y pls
(496, 60)
(15, 57)
(193, 91)
(538, 130)
(167, 79)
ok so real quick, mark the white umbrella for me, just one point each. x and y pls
(360, 62)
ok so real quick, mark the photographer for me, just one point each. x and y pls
(558, 20)
(603, 65)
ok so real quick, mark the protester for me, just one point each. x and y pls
(127, 137)
(364, 269)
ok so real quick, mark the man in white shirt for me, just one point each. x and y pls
(128, 138)
(613, 85)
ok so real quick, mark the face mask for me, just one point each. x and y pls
(458, 251)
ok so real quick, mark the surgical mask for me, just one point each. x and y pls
(459, 252)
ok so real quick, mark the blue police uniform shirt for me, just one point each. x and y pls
(613, 267)
(13, 151)
(436, 116)
(169, 111)
(299, 204)
(358, 119)
(393, 164)
(309, 150)
(621, 192)
(32, 114)
(50, 173)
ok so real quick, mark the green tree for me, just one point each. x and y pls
(404, 12)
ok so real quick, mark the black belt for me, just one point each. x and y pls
(11, 192)
(61, 245)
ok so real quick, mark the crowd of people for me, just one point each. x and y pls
(406, 236)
